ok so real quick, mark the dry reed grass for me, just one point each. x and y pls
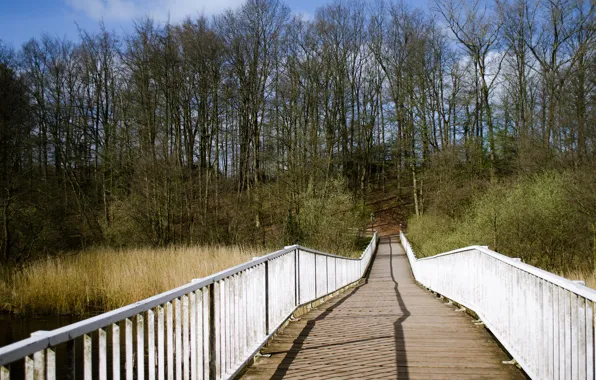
(104, 279)
(588, 277)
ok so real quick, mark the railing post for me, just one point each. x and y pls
(212, 334)
(335, 270)
(267, 297)
(297, 275)
(327, 272)
(315, 256)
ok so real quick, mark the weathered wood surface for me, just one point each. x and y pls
(388, 328)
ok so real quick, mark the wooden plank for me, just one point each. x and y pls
(170, 339)
(206, 333)
(87, 359)
(550, 330)
(574, 321)
(50, 364)
(150, 345)
(580, 307)
(103, 354)
(185, 339)
(115, 351)
(590, 359)
(128, 348)
(567, 328)
(223, 327)
(217, 322)
(234, 309)
(29, 368)
(178, 337)
(193, 335)
(39, 365)
(161, 344)
(199, 334)
(140, 347)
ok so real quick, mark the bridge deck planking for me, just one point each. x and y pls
(388, 328)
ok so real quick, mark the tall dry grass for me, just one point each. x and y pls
(588, 277)
(104, 279)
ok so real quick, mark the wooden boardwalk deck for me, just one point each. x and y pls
(388, 328)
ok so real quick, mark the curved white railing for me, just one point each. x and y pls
(207, 329)
(546, 322)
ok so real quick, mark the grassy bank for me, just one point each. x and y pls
(105, 279)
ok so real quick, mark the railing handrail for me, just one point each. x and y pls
(546, 322)
(574, 287)
(29, 346)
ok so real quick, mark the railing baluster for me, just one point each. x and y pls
(207, 332)
(232, 321)
(178, 339)
(251, 308)
(580, 306)
(185, 339)
(102, 352)
(4, 373)
(236, 319)
(115, 351)
(29, 368)
(557, 327)
(243, 314)
(50, 364)
(170, 339)
(129, 361)
(161, 345)
(140, 347)
(566, 309)
(248, 308)
(217, 323)
(590, 359)
(39, 365)
(229, 323)
(87, 359)
(232, 301)
(193, 336)
(199, 334)
(549, 330)
(150, 345)
(224, 326)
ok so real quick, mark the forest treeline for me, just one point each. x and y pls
(257, 126)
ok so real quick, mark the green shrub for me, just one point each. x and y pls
(330, 219)
(533, 218)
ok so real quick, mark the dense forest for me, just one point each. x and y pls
(257, 126)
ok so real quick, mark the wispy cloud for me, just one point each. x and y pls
(304, 16)
(160, 10)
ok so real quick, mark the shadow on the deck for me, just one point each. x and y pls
(401, 357)
(400, 352)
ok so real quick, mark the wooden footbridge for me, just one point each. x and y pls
(388, 327)
(301, 313)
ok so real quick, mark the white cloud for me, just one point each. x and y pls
(304, 16)
(159, 10)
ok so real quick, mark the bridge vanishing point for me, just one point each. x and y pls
(301, 313)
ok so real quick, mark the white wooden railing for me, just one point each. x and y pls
(545, 322)
(208, 329)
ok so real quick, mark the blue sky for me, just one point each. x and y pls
(21, 20)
